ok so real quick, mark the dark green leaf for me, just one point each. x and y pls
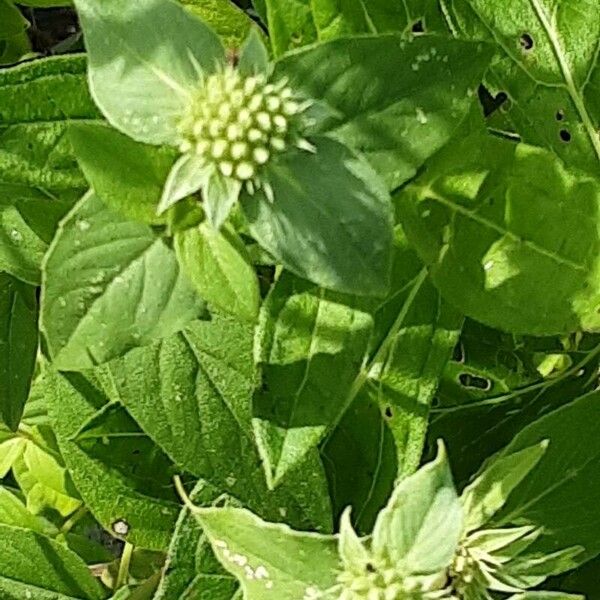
(141, 519)
(192, 394)
(18, 347)
(397, 112)
(330, 219)
(566, 477)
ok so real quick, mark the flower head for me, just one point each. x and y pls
(233, 127)
(236, 123)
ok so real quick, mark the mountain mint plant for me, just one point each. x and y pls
(299, 300)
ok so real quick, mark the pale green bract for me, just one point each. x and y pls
(427, 544)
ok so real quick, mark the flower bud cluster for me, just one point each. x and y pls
(379, 580)
(238, 123)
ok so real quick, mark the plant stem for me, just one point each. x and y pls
(73, 519)
(123, 575)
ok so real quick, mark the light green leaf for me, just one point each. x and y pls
(270, 561)
(11, 449)
(43, 478)
(351, 548)
(18, 347)
(254, 56)
(488, 493)
(420, 528)
(528, 570)
(192, 394)
(14, 513)
(139, 518)
(337, 18)
(229, 22)
(330, 219)
(142, 76)
(565, 477)
(548, 67)
(290, 24)
(305, 335)
(187, 176)
(414, 103)
(509, 235)
(217, 264)
(38, 100)
(110, 285)
(220, 195)
(128, 176)
(191, 567)
(37, 567)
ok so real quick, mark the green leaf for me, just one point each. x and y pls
(110, 285)
(191, 566)
(565, 477)
(421, 526)
(305, 335)
(43, 478)
(14, 513)
(143, 76)
(509, 235)
(187, 176)
(113, 438)
(128, 176)
(12, 22)
(228, 21)
(11, 449)
(13, 49)
(38, 100)
(329, 221)
(360, 459)
(141, 519)
(290, 24)
(414, 103)
(488, 493)
(254, 56)
(548, 67)
(351, 548)
(218, 265)
(18, 347)
(192, 394)
(337, 18)
(21, 249)
(415, 332)
(270, 561)
(37, 567)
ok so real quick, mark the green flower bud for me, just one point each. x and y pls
(239, 123)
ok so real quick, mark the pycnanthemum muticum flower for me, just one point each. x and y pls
(236, 124)
(233, 127)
